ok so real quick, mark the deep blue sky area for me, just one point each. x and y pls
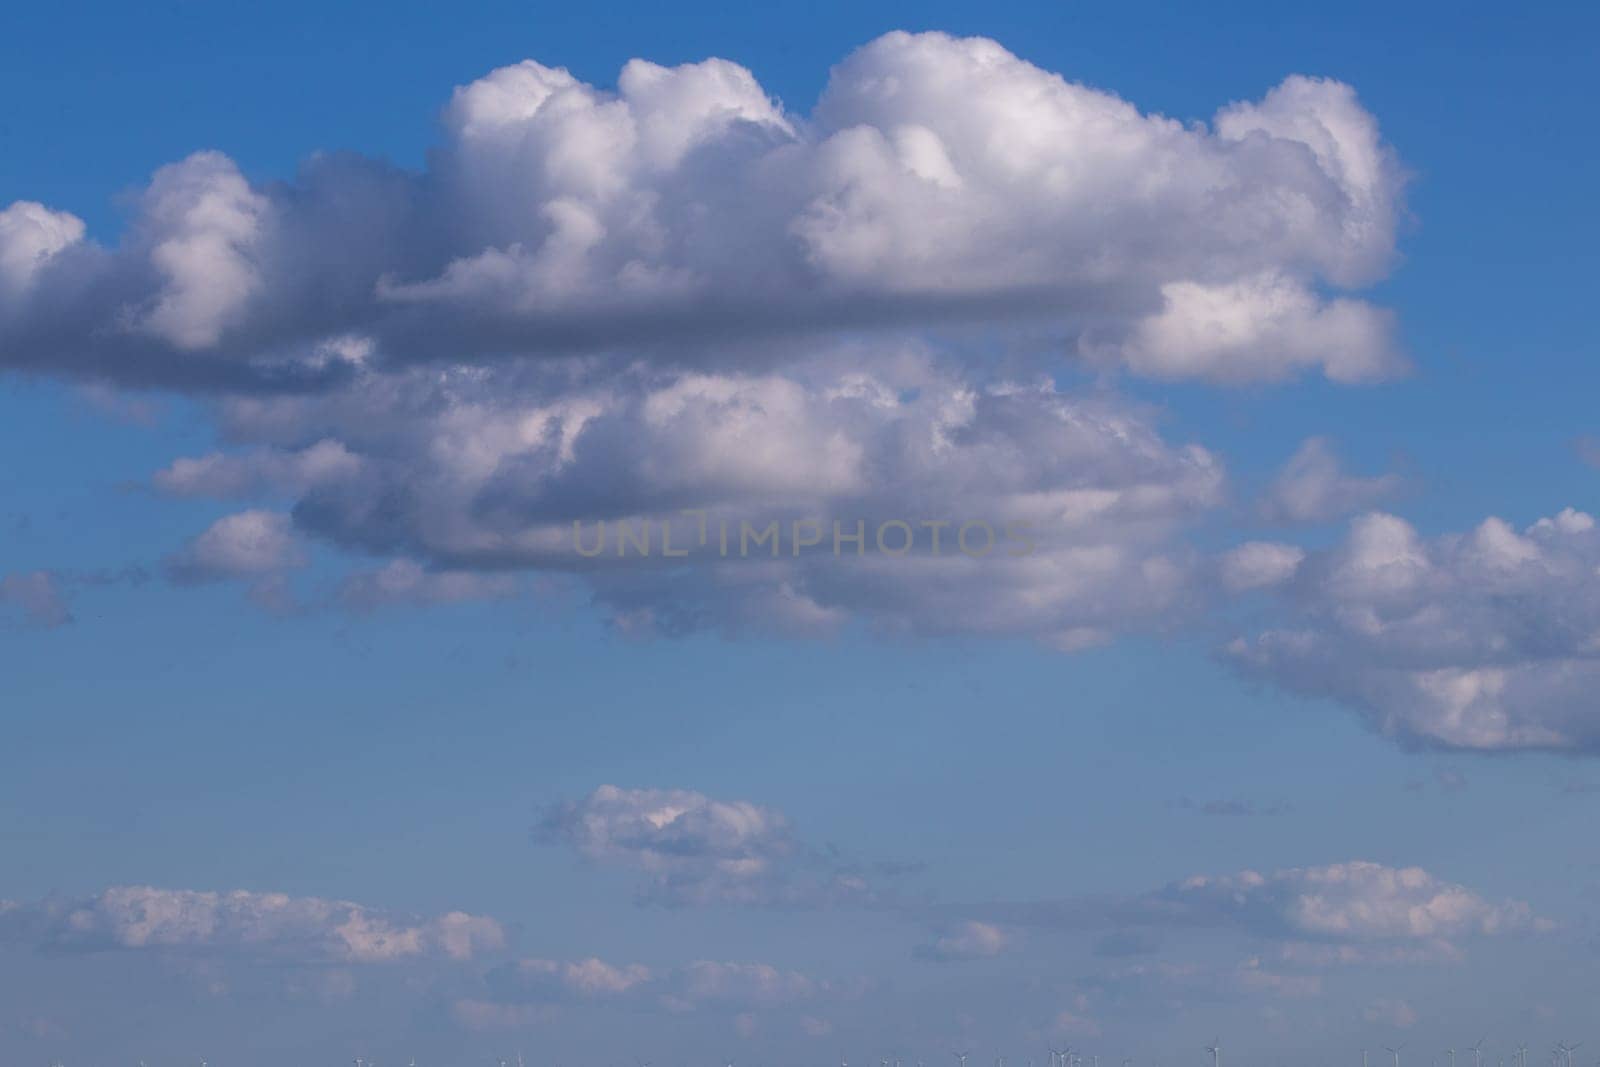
(177, 736)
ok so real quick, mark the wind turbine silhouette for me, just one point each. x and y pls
(1395, 1052)
(1215, 1048)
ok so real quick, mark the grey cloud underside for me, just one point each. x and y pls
(492, 471)
(685, 217)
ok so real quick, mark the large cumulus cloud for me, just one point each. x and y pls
(685, 214)
(488, 471)
(675, 301)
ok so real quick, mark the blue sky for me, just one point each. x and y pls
(1274, 738)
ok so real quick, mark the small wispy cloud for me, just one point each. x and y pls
(693, 849)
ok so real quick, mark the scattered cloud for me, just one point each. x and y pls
(536, 990)
(1588, 450)
(552, 980)
(406, 582)
(1386, 1012)
(248, 544)
(38, 595)
(276, 470)
(1076, 1020)
(1313, 487)
(1337, 913)
(692, 849)
(969, 940)
(43, 597)
(1354, 902)
(1488, 640)
(242, 923)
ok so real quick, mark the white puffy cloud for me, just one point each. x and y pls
(938, 180)
(247, 544)
(693, 849)
(1488, 640)
(1342, 902)
(1304, 919)
(219, 474)
(1260, 328)
(273, 925)
(31, 235)
(200, 221)
(970, 940)
(583, 978)
(1313, 487)
(488, 471)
